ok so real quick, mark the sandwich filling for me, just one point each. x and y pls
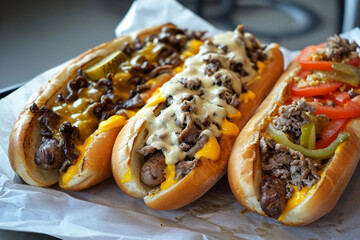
(198, 106)
(303, 135)
(113, 85)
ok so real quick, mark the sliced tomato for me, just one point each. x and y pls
(350, 109)
(303, 73)
(340, 98)
(306, 62)
(320, 89)
(331, 131)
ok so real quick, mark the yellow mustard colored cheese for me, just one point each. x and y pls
(178, 69)
(127, 176)
(236, 115)
(229, 128)
(248, 96)
(211, 150)
(169, 177)
(297, 198)
(112, 122)
(194, 46)
(154, 100)
(261, 67)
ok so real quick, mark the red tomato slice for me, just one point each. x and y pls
(350, 109)
(331, 131)
(306, 62)
(320, 89)
(338, 97)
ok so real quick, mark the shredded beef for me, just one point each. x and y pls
(223, 80)
(230, 98)
(50, 154)
(146, 150)
(182, 168)
(69, 134)
(289, 165)
(198, 145)
(212, 65)
(191, 83)
(48, 119)
(106, 83)
(134, 103)
(160, 70)
(198, 35)
(105, 108)
(338, 49)
(34, 108)
(188, 105)
(190, 132)
(238, 68)
(292, 117)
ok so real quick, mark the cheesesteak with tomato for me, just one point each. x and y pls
(295, 156)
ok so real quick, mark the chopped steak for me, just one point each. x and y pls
(230, 98)
(134, 102)
(191, 83)
(48, 119)
(238, 68)
(146, 150)
(182, 168)
(199, 145)
(289, 165)
(272, 196)
(212, 65)
(190, 132)
(69, 134)
(338, 49)
(292, 117)
(153, 170)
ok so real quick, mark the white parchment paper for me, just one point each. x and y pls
(103, 211)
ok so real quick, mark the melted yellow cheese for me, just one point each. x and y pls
(236, 115)
(112, 122)
(249, 95)
(127, 176)
(229, 128)
(297, 198)
(154, 100)
(211, 150)
(261, 67)
(169, 177)
(178, 69)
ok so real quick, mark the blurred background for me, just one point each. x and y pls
(38, 35)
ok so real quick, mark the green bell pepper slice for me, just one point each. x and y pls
(308, 136)
(317, 154)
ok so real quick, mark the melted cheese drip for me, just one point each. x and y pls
(163, 129)
(211, 150)
(169, 177)
(127, 176)
(229, 128)
(104, 126)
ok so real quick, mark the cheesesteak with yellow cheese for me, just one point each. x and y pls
(177, 146)
(66, 131)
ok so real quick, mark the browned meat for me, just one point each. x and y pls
(223, 80)
(73, 87)
(188, 105)
(191, 83)
(69, 134)
(230, 98)
(199, 145)
(238, 68)
(190, 132)
(50, 154)
(212, 65)
(146, 150)
(160, 70)
(182, 168)
(292, 117)
(272, 196)
(48, 119)
(338, 49)
(288, 165)
(153, 170)
(128, 49)
(105, 108)
(134, 102)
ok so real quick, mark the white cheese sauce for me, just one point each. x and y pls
(164, 129)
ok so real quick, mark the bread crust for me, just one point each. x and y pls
(25, 135)
(207, 172)
(245, 173)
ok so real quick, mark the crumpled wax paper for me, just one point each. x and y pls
(103, 211)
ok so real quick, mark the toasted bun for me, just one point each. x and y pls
(25, 136)
(207, 172)
(245, 173)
